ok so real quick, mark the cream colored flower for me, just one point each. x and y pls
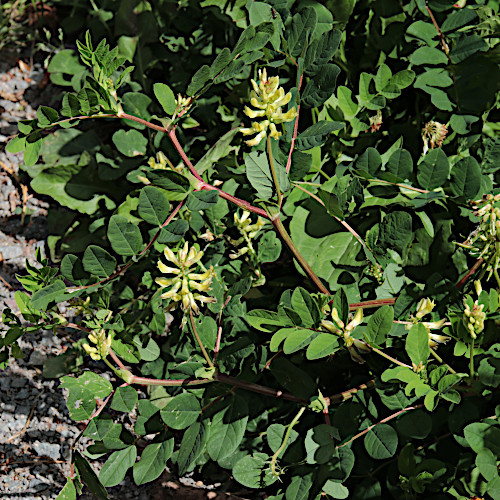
(425, 306)
(433, 133)
(269, 98)
(103, 344)
(185, 285)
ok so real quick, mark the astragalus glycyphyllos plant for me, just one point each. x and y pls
(272, 264)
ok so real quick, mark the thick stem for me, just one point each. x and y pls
(303, 263)
(471, 271)
(390, 417)
(169, 383)
(197, 337)
(273, 170)
(261, 389)
(372, 303)
(237, 201)
(343, 396)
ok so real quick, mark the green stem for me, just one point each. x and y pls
(471, 362)
(303, 263)
(438, 358)
(273, 169)
(390, 358)
(285, 441)
(495, 272)
(200, 343)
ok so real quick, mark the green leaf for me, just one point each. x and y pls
(89, 477)
(400, 164)
(221, 61)
(116, 466)
(370, 161)
(165, 97)
(259, 174)
(98, 262)
(150, 351)
(466, 178)
(130, 143)
(417, 344)
(382, 77)
(124, 236)
(457, 19)
(82, 393)
(305, 306)
(198, 81)
(316, 134)
(297, 338)
(174, 231)
(335, 489)
(381, 442)
(227, 429)
(153, 461)
(206, 327)
(433, 170)
(396, 231)
(50, 293)
(219, 150)
(299, 488)
(346, 104)
(321, 86)
(268, 247)
(429, 56)
(192, 445)
(153, 205)
(171, 181)
(46, 116)
(32, 150)
(201, 200)
(323, 345)
(467, 46)
(302, 27)
(68, 492)
(181, 411)
(320, 444)
(253, 471)
(379, 325)
(481, 436)
(275, 434)
(124, 399)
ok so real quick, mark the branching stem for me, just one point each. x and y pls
(197, 337)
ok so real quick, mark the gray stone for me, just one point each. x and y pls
(37, 358)
(18, 382)
(47, 449)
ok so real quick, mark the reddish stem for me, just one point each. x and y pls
(472, 270)
(390, 417)
(372, 303)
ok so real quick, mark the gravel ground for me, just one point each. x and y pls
(36, 432)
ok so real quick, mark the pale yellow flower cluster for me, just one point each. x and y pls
(474, 318)
(268, 97)
(433, 133)
(424, 307)
(248, 232)
(338, 327)
(186, 284)
(102, 342)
